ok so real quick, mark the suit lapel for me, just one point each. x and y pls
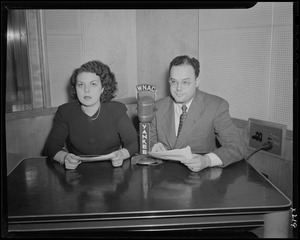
(168, 123)
(191, 121)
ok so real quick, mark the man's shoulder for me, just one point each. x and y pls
(164, 102)
(208, 97)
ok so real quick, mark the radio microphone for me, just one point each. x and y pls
(145, 109)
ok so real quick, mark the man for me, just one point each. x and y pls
(206, 117)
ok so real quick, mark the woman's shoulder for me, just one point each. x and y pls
(68, 108)
(69, 105)
(115, 108)
(115, 105)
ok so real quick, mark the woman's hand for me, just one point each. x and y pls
(158, 147)
(197, 163)
(71, 161)
(119, 157)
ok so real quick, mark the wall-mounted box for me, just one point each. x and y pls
(261, 132)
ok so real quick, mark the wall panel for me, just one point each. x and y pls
(63, 50)
(110, 36)
(161, 36)
(26, 138)
(246, 58)
(73, 37)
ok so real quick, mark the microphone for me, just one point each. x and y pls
(145, 109)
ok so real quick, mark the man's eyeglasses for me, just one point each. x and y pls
(184, 83)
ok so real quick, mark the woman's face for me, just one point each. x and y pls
(88, 88)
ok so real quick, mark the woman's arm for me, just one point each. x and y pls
(128, 134)
(57, 136)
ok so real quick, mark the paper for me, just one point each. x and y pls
(175, 154)
(93, 158)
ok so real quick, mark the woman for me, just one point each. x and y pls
(93, 125)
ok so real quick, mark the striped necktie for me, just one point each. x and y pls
(182, 118)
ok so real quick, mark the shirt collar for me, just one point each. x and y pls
(179, 105)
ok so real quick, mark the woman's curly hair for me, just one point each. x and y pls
(107, 79)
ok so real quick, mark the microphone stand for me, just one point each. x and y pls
(143, 158)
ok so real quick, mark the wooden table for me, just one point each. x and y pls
(44, 196)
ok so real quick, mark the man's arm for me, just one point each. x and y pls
(233, 147)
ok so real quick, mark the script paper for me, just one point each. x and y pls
(93, 158)
(176, 154)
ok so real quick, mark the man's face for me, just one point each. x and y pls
(183, 83)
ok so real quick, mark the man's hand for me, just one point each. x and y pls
(71, 161)
(158, 147)
(197, 163)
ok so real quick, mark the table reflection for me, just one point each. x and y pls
(180, 188)
(94, 189)
(45, 187)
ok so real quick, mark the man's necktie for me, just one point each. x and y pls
(182, 118)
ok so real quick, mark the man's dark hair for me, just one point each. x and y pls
(186, 60)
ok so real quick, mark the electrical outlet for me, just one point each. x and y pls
(261, 132)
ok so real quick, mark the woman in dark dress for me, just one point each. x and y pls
(92, 125)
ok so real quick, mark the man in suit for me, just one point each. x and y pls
(205, 118)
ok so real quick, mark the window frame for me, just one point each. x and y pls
(39, 85)
(18, 88)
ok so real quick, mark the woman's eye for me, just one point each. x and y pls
(79, 85)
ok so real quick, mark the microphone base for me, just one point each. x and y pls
(145, 160)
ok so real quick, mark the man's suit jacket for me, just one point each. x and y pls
(208, 117)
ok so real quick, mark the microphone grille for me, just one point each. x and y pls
(145, 109)
(146, 99)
